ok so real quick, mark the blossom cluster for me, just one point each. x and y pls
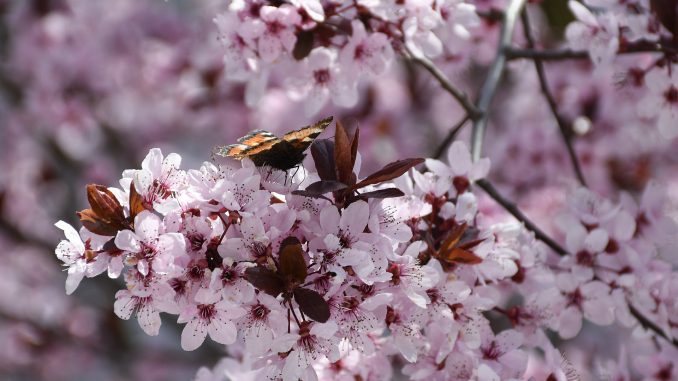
(328, 274)
(305, 280)
(329, 46)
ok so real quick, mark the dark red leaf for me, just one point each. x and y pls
(292, 262)
(453, 250)
(382, 193)
(354, 146)
(304, 45)
(322, 151)
(389, 172)
(92, 222)
(104, 203)
(459, 255)
(342, 154)
(667, 13)
(325, 186)
(312, 304)
(136, 202)
(111, 249)
(309, 194)
(265, 280)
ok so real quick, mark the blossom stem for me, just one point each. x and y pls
(450, 136)
(459, 95)
(294, 314)
(494, 76)
(565, 130)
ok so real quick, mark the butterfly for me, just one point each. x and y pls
(266, 149)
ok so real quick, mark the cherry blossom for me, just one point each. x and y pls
(323, 79)
(148, 248)
(598, 35)
(78, 256)
(661, 101)
(211, 315)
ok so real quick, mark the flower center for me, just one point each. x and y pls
(228, 276)
(321, 76)
(584, 258)
(259, 312)
(671, 95)
(275, 28)
(206, 311)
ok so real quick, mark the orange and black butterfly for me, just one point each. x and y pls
(266, 149)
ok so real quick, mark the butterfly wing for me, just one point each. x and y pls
(266, 149)
(303, 137)
(248, 145)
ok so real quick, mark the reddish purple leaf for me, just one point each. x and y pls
(667, 13)
(303, 46)
(325, 186)
(382, 193)
(136, 202)
(111, 249)
(104, 203)
(92, 222)
(389, 172)
(342, 153)
(323, 156)
(354, 146)
(265, 280)
(292, 262)
(312, 304)
(309, 194)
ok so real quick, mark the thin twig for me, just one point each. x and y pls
(567, 54)
(511, 207)
(450, 136)
(649, 324)
(545, 55)
(565, 131)
(459, 95)
(494, 76)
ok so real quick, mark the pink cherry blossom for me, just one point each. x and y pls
(661, 101)
(598, 35)
(365, 53)
(210, 315)
(148, 247)
(322, 79)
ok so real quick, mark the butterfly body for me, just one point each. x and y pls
(266, 149)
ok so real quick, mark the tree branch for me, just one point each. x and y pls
(565, 131)
(638, 47)
(515, 212)
(494, 76)
(459, 95)
(450, 136)
(649, 324)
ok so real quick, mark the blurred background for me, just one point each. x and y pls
(88, 86)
